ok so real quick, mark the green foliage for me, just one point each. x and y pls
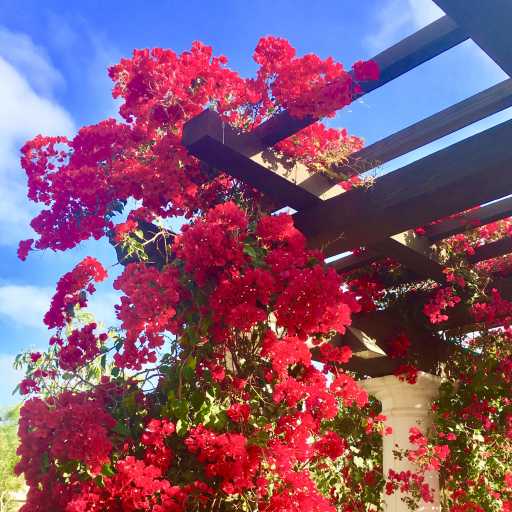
(9, 482)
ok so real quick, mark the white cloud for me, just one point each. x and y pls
(398, 18)
(26, 305)
(30, 60)
(424, 12)
(26, 109)
(10, 379)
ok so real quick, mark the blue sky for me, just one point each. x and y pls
(53, 61)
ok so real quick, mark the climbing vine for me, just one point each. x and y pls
(220, 389)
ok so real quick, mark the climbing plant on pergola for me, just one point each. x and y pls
(458, 178)
(209, 396)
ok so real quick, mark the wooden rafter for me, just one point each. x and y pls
(420, 47)
(492, 250)
(471, 172)
(434, 233)
(462, 114)
(414, 253)
(452, 180)
(479, 216)
(488, 23)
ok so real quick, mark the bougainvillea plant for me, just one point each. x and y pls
(220, 389)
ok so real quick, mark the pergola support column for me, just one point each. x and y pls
(405, 405)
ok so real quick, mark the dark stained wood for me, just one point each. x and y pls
(492, 250)
(217, 144)
(420, 263)
(423, 45)
(488, 23)
(353, 261)
(427, 348)
(479, 216)
(471, 172)
(488, 102)
(158, 251)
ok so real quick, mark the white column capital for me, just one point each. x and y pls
(405, 405)
(401, 397)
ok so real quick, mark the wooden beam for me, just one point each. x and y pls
(487, 23)
(471, 172)
(353, 261)
(414, 253)
(207, 137)
(435, 232)
(409, 249)
(218, 144)
(423, 45)
(378, 329)
(492, 250)
(488, 102)
(476, 217)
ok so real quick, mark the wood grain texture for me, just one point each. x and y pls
(471, 172)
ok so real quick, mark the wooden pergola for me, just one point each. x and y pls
(382, 217)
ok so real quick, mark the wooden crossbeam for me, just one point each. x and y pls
(423, 45)
(471, 172)
(444, 229)
(217, 144)
(371, 333)
(410, 250)
(484, 252)
(488, 23)
(208, 138)
(414, 253)
(353, 261)
(492, 250)
(479, 216)
(488, 102)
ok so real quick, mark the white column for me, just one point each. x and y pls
(405, 405)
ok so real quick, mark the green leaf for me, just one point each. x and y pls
(107, 470)
(122, 428)
(181, 428)
(250, 251)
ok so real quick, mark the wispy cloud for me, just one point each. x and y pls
(397, 18)
(88, 53)
(27, 108)
(31, 61)
(26, 305)
(424, 12)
